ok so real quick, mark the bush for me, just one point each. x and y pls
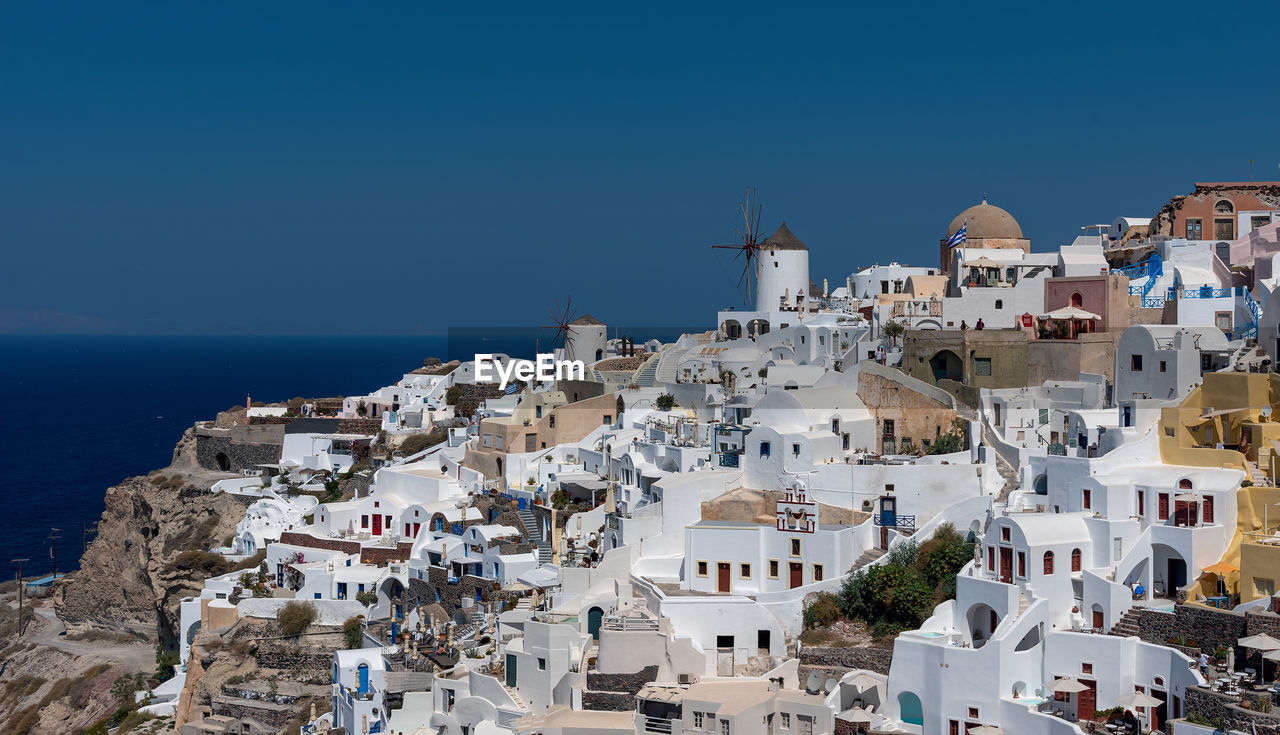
(665, 402)
(124, 686)
(367, 598)
(165, 661)
(206, 562)
(452, 394)
(296, 617)
(353, 632)
(418, 442)
(824, 611)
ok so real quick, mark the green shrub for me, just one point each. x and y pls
(665, 402)
(205, 562)
(165, 661)
(367, 598)
(296, 617)
(417, 442)
(824, 611)
(353, 632)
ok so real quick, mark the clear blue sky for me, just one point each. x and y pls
(356, 168)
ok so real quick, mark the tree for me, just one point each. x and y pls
(295, 617)
(665, 402)
(361, 409)
(952, 441)
(165, 661)
(367, 598)
(893, 330)
(125, 685)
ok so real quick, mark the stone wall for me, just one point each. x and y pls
(424, 591)
(1203, 627)
(218, 450)
(306, 665)
(471, 394)
(845, 657)
(608, 701)
(628, 683)
(1224, 711)
(266, 713)
(368, 427)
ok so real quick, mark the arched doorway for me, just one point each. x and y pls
(222, 461)
(595, 616)
(731, 328)
(982, 619)
(946, 365)
(910, 710)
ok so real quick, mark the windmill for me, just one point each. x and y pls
(749, 234)
(561, 321)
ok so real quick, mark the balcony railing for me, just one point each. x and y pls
(657, 724)
(729, 459)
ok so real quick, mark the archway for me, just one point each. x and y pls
(595, 616)
(982, 620)
(1168, 571)
(910, 710)
(946, 365)
(224, 464)
(731, 328)
(1041, 485)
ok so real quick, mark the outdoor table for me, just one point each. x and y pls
(1219, 601)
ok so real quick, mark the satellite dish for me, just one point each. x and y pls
(814, 682)
(830, 685)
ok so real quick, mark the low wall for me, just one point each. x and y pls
(846, 657)
(1225, 712)
(328, 612)
(625, 683)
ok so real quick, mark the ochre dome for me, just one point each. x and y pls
(986, 221)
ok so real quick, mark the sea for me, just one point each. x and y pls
(85, 412)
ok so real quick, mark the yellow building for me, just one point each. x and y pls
(1231, 421)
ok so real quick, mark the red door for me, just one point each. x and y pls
(416, 527)
(722, 577)
(1097, 619)
(1087, 700)
(797, 575)
(377, 525)
(1006, 564)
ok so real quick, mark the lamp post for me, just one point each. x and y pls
(20, 595)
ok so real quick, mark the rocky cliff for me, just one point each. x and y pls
(131, 577)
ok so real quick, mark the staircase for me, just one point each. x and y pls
(515, 696)
(1127, 625)
(530, 522)
(668, 369)
(648, 372)
(867, 557)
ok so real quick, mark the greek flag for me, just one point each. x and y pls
(512, 389)
(960, 235)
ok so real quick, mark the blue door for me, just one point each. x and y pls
(363, 672)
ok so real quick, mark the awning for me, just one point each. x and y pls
(540, 577)
(1067, 313)
(1220, 568)
(1260, 642)
(1066, 685)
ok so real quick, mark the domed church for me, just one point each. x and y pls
(988, 227)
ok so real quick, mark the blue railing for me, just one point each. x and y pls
(1204, 292)
(729, 459)
(1150, 269)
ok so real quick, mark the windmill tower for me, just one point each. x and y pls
(783, 281)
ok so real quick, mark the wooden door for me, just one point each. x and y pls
(722, 576)
(1087, 700)
(1097, 619)
(797, 575)
(377, 525)
(1006, 564)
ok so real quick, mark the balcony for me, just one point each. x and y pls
(730, 459)
(657, 724)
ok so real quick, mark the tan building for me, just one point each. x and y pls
(1210, 212)
(987, 227)
(907, 410)
(540, 421)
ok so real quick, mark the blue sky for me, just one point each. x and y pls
(340, 168)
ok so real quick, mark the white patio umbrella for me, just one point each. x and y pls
(863, 681)
(1066, 685)
(1138, 699)
(1262, 643)
(1187, 498)
(986, 730)
(857, 714)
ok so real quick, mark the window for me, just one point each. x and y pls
(1224, 228)
(1075, 560)
(1142, 503)
(1022, 564)
(744, 571)
(607, 419)
(773, 569)
(1223, 206)
(1162, 506)
(999, 303)
(1207, 506)
(888, 427)
(764, 449)
(1048, 562)
(953, 727)
(1077, 300)
(497, 441)
(1222, 320)
(1194, 229)
(1086, 668)
(1004, 533)
(795, 547)
(786, 720)
(702, 569)
(795, 449)
(364, 521)
(973, 713)
(991, 557)
(982, 366)
(724, 724)
(551, 421)
(1086, 498)
(1135, 363)
(817, 572)
(697, 720)
(1164, 367)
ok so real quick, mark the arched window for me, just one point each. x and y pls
(1184, 484)
(1048, 562)
(1224, 206)
(1075, 560)
(1076, 299)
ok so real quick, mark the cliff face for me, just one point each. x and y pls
(128, 579)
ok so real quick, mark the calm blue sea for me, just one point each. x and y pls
(84, 412)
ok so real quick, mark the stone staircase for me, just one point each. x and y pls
(669, 364)
(1127, 625)
(515, 696)
(530, 522)
(867, 557)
